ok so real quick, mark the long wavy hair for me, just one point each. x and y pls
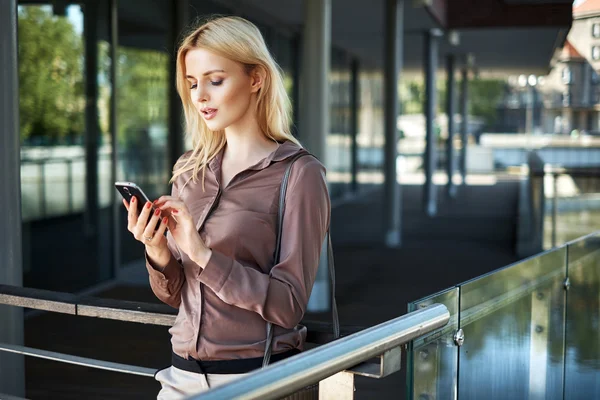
(238, 40)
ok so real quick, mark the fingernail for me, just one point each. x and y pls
(175, 211)
(157, 212)
(133, 199)
(165, 220)
(148, 204)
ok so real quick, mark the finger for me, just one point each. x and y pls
(160, 232)
(162, 199)
(126, 204)
(143, 218)
(132, 215)
(172, 223)
(175, 205)
(151, 226)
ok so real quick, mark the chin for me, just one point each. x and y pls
(215, 125)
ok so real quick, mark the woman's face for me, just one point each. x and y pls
(220, 88)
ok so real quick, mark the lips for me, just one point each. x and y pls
(208, 113)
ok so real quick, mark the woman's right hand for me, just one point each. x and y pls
(143, 228)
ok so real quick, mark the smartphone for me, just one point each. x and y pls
(130, 189)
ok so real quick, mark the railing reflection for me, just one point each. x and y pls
(54, 186)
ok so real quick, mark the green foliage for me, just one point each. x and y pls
(484, 96)
(50, 52)
(142, 91)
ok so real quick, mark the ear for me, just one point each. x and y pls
(258, 76)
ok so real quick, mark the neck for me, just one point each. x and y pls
(246, 141)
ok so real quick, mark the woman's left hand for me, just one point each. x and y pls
(183, 229)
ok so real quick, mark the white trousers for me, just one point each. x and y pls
(179, 384)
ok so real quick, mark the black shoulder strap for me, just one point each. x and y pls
(330, 263)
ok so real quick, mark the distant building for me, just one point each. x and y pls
(568, 98)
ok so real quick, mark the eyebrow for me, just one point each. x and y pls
(206, 73)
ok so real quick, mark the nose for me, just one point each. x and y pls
(200, 95)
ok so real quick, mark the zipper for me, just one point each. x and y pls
(214, 205)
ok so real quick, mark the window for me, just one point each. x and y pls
(596, 30)
(566, 75)
(595, 52)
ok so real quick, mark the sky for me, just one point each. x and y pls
(578, 2)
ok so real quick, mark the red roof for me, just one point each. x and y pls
(587, 7)
(569, 51)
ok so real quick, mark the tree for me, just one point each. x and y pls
(50, 75)
(143, 91)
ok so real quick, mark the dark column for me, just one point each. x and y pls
(431, 64)
(91, 119)
(296, 65)
(394, 21)
(464, 125)
(12, 369)
(354, 109)
(116, 206)
(450, 111)
(176, 132)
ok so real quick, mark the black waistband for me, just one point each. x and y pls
(237, 366)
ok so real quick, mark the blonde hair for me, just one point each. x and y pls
(238, 40)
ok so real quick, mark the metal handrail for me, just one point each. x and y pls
(76, 360)
(310, 367)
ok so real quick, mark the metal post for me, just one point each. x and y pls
(464, 125)
(394, 25)
(42, 188)
(354, 109)
(91, 119)
(539, 343)
(450, 111)
(554, 207)
(529, 111)
(431, 64)
(314, 111)
(175, 137)
(70, 184)
(316, 49)
(12, 367)
(116, 202)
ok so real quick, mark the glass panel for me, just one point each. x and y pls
(582, 360)
(433, 359)
(59, 46)
(513, 322)
(339, 139)
(142, 108)
(371, 136)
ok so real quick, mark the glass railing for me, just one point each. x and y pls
(526, 331)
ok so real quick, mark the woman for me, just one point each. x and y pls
(216, 262)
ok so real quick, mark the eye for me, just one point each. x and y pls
(216, 83)
(194, 86)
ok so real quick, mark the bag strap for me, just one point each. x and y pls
(330, 263)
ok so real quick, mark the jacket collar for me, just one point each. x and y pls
(285, 150)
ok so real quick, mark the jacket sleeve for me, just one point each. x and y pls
(166, 283)
(281, 296)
